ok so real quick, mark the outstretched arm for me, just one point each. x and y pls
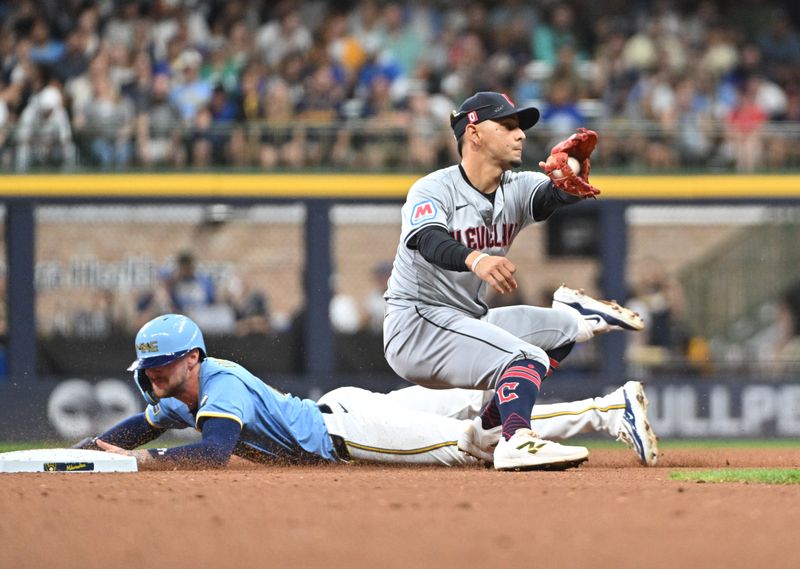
(127, 434)
(220, 436)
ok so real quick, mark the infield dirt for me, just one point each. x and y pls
(608, 513)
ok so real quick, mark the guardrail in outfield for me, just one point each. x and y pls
(227, 185)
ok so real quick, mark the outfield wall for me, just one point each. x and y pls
(337, 226)
(75, 408)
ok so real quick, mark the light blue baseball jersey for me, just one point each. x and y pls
(274, 424)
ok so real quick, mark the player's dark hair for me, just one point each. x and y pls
(460, 143)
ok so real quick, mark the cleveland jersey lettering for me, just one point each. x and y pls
(446, 199)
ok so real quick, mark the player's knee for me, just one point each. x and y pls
(569, 323)
(531, 353)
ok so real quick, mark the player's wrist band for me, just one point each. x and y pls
(477, 260)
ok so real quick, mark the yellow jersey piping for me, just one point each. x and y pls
(581, 412)
(420, 450)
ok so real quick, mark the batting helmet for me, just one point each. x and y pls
(161, 341)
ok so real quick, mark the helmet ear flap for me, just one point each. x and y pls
(145, 387)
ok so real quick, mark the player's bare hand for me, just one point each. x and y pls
(498, 272)
(141, 456)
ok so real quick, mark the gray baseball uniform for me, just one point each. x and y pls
(438, 330)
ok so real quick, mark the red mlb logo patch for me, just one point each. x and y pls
(423, 211)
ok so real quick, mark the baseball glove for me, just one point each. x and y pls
(579, 146)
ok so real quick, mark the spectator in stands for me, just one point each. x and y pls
(745, 125)
(551, 35)
(79, 90)
(120, 65)
(158, 128)
(282, 36)
(249, 305)
(721, 55)
(45, 50)
(120, 27)
(319, 111)
(561, 114)
(140, 88)
(190, 93)
(238, 49)
(689, 125)
(401, 41)
(109, 123)
(780, 44)
(639, 57)
(251, 89)
(366, 24)
(467, 72)
(658, 298)
(382, 139)
(281, 139)
(787, 348)
(74, 61)
(188, 288)
(184, 289)
(44, 136)
(427, 145)
(223, 68)
(217, 136)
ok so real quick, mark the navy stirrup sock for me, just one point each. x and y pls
(557, 355)
(516, 393)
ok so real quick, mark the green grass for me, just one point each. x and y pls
(746, 475)
(666, 444)
(9, 447)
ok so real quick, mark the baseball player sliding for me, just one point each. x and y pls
(240, 415)
(458, 224)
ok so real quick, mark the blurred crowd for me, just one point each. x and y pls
(367, 84)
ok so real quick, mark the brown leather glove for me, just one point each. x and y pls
(579, 146)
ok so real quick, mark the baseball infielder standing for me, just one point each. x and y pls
(458, 224)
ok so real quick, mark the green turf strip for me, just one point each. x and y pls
(746, 475)
(605, 443)
(10, 447)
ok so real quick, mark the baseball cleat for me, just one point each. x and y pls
(602, 315)
(635, 430)
(525, 451)
(479, 442)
